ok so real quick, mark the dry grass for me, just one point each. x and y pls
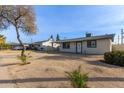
(48, 70)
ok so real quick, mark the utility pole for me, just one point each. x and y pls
(118, 39)
(122, 36)
(31, 41)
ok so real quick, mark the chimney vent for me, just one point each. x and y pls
(88, 34)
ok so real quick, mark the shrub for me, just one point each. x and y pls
(114, 57)
(77, 79)
(24, 59)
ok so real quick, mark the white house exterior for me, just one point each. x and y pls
(45, 45)
(87, 45)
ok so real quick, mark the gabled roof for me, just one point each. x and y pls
(107, 36)
(41, 41)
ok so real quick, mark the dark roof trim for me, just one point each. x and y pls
(107, 36)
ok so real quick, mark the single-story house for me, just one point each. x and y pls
(45, 45)
(87, 45)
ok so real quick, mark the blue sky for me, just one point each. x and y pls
(72, 21)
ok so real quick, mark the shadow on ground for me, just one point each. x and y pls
(92, 79)
(9, 64)
(100, 63)
(59, 57)
(67, 56)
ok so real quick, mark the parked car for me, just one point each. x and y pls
(18, 48)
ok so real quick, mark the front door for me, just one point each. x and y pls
(79, 47)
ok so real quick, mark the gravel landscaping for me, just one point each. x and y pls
(48, 70)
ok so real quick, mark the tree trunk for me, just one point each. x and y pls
(18, 37)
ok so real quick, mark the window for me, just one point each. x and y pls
(91, 44)
(66, 45)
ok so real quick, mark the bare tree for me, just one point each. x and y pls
(21, 17)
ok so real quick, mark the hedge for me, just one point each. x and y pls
(114, 57)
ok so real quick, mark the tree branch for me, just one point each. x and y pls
(7, 19)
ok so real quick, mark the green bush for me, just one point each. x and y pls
(114, 57)
(77, 79)
(24, 59)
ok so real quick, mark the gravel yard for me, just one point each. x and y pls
(48, 70)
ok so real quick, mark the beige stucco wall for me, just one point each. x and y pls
(103, 45)
(118, 47)
(71, 49)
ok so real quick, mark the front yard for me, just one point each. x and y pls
(48, 70)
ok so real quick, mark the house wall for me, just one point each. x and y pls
(49, 45)
(71, 49)
(103, 45)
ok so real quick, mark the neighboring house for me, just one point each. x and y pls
(45, 45)
(87, 45)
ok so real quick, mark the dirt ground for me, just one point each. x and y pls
(47, 70)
